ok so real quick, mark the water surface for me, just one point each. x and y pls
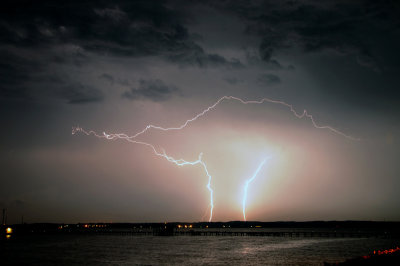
(183, 250)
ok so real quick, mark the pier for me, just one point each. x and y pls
(229, 233)
(346, 229)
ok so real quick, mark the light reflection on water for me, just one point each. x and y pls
(184, 250)
(286, 244)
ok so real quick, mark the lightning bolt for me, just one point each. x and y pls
(179, 162)
(211, 107)
(182, 162)
(246, 186)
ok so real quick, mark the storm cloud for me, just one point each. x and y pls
(155, 90)
(269, 79)
(35, 35)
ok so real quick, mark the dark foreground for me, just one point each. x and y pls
(235, 243)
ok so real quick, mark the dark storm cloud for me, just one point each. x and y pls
(71, 33)
(268, 79)
(79, 93)
(107, 77)
(351, 47)
(125, 28)
(14, 72)
(196, 56)
(27, 78)
(343, 26)
(155, 90)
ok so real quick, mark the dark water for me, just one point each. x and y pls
(183, 250)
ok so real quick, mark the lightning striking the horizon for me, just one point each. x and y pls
(246, 186)
(182, 162)
(179, 162)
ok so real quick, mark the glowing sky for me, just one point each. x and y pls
(117, 67)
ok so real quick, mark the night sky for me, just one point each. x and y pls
(117, 66)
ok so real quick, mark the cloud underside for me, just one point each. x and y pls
(269, 79)
(79, 93)
(120, 29)
(155, 90)
(123, 28)
(313, 26)
(33, 34)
